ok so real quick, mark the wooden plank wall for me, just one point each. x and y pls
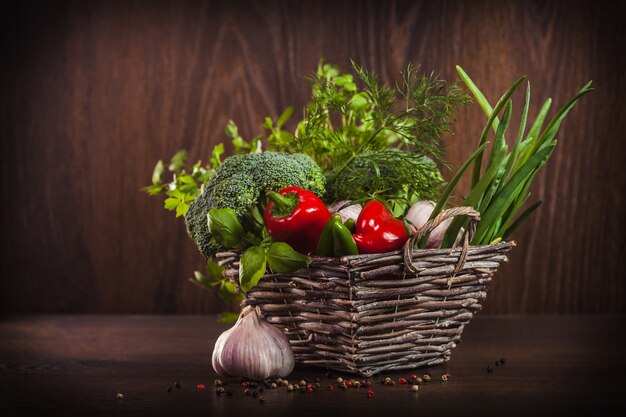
(95, 92)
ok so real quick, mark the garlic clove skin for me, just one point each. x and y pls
(418, 215)
(253, 349)
(346, 212)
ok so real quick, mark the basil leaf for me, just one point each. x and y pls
(225, 227)
(251, 267)
(283, 258)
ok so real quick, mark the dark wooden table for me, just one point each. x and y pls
(75, 365)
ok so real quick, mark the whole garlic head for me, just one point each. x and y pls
(253, 349)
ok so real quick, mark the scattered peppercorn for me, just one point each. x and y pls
(426, 378)
(177, 384)
(410, 381)
(247, 391)
(169, 389)
(245, 384)
(349, 383)
(339, 380)
(254, 384)
(370, 393)
(261, 399)
(419, 381)
(219, 390)
(387, 381)
(356, 384)
(402, 381)
(285, 383)
(218, 383)
(279, 381)
(413, 376)
(366, 383)
(317, 385)
(255, 393)
(201, 387)
(444, 377)
(119, 396)
(330, 388)
(302, 383)
(415, 388)
(273, 386)
(290, 388)
(343, 386)
(502, 361)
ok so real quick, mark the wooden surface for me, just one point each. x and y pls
(75, 365)
(94, 93)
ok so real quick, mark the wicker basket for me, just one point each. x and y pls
(366, 314)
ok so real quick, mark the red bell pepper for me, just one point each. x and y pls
(296, 216)
(377, 230)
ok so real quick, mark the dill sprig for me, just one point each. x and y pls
(373, 140)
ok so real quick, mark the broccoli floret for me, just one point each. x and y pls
(242, 181)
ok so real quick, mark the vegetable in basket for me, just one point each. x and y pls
(296, 216)
(336, 239)
(377, 230)
(241, 182)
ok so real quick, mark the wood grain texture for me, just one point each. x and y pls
(75, 366)
(96, 92)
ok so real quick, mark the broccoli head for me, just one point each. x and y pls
(241, 181)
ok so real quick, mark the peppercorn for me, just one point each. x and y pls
(177, 384)
(169, 389)
(387, 381)
(502, 361)
(229, 392)
(330, 388)
(339, 380)
(290, 388)
(343, 386)
(302, 383)
(200, 387)
(219, 390)
(245, 384)
(402, 381)
(426, 377)
(247, 391)
(309, 386)
(317, 385)
(285, 383)
(119, 396)
(370, 393)
(392, 383)
(255, 393)
(253, 384)
(418, 381)
(349, 383)
(410, 381)
(218, 383)
(309, 390)
(365, 383)
(444, 378)
(415, 388)
(356, 384)
(279, 381)
(273, 386)
(382, 381)
(489, 369)
(261, 399)
(413, 376)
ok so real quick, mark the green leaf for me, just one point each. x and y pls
(480, 97)
(284, 117)
(227, 290)
(227, 317)
(171, 203)
(178, 161)
(215, 160)
(282, 258)
(157, 173)
(521, 218)
(154, 189)
(213, 269)
(358, 102)
(181, 209)
(483, 137)
(508, 194)
(252, 267)
(225, 227)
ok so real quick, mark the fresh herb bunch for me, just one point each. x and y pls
(374, 141)
(500, 190)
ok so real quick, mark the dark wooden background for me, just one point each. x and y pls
(93, 93)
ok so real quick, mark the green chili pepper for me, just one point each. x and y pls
(336, 239)
(351, 225)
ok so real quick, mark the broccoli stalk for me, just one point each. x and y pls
(241, 183)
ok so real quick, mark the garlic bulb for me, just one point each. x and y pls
(253, 349)
(346, 212)
(418, 215)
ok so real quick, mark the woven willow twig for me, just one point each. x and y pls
(370, 313)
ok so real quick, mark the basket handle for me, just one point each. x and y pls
(431, 224)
